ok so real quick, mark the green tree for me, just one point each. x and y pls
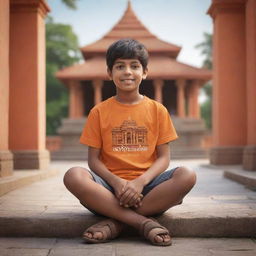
(70, 3)
(206, 106)
(61, 51)
(206, 50)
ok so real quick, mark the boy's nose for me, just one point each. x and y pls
(128, 70)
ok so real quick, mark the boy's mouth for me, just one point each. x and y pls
(127, 80)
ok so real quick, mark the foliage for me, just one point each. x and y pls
(206, 50)
(61, 51)
(206, 106)
(70, 3)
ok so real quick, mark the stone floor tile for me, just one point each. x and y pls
(29, 243)
(24, 252)
(140, 246)
(88, 250)
(233, 253)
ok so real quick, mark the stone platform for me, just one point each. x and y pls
(216, 207)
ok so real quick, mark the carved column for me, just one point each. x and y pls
(158, 84)
(97, 85)
(229, 82)
(76, 100)
(6, 161)
(193, 104)
(249, 155)
(181, 97)
(27, 130)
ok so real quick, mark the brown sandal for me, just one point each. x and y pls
(150, 224)
(109, 228)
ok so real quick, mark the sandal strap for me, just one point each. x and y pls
(107, 227)
(148, 225)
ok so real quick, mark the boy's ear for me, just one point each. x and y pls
(145, 73)
(109, 73)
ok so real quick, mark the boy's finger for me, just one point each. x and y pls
(125, 198)
(133, 200)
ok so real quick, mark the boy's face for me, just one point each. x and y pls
(127, 74)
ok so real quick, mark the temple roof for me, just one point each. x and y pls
(162, 61)
(158, 67)
(129, 26)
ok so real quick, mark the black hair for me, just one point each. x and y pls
(127, 49)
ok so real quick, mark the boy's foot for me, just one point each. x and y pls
(155, 233)
(103, 231)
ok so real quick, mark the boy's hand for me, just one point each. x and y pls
(119, 186)
(131, 195)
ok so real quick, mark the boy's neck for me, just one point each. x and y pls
(129, 98)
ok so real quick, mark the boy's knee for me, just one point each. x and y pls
(187, 175)
(73, 175)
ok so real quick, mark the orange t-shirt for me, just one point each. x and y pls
(128, 134)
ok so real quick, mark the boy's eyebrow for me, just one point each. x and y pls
(121, 62)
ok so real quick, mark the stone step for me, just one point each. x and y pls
(66, 224)
(21, 178)
(247, 178)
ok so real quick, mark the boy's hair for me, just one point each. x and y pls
(127, 49)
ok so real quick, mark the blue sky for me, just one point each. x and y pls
(181, 22)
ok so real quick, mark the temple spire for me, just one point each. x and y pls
(129, 5)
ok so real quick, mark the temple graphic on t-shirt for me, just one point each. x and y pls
(129, 137)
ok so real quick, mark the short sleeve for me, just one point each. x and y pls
(167, 131)
(91, 134)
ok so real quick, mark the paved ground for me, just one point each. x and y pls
(216, 207)
(126, 247)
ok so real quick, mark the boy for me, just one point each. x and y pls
(128, 137)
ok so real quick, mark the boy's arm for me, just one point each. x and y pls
(101, 170)
(160, 165)
(136, 186)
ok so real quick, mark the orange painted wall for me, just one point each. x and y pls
(27, 81)
(4, 73)
(229, 103)
(251, 70)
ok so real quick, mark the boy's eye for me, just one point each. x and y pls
(119, 66)
(135, 66)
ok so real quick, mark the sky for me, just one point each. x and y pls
(181, 22)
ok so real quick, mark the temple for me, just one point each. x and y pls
(170, 82)
(176, 85)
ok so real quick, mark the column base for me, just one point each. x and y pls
(6, 163)
(226, 155)
(31, 159)
(249, 158)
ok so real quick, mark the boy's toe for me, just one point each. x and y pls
(162, 238)
(98, 235)
(159, 239)
(167, 238)
(88, 234)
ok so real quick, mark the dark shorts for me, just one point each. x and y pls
(155, 182)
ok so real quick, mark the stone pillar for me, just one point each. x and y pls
(76, 100)
(181, 97)
(6, 161)
(97, 85)
(229, 82)
(249, 156)
(27, 121)
(193, 104)
(158, 84)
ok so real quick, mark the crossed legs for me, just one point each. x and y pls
(167, 194)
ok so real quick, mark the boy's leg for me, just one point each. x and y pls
(169, 193)
(80, 183)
